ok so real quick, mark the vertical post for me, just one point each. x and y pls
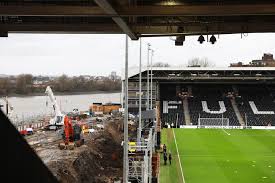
(158, 124)
(152, 54)
(122, 94)
(148, 90)
(7, 106)
(245, 119)
(139, 121)
(150, 145)
(199, 123)
(145, 178)
(125, 157)
(222, 119)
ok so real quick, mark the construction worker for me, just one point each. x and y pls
(170, 158)
(165, 158)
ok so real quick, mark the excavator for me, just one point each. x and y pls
(71, 135)
(58, 120)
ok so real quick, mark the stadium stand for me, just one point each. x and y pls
(256, 104)
(263, 113)
(212, 94)
(172, 106)
(173, 113)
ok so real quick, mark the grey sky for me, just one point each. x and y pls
(49, 54)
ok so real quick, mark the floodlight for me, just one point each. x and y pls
(213, 39)
(201, 39)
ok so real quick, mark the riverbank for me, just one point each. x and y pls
(29, 106)
(61, 93)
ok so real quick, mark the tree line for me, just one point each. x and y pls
(25, 84)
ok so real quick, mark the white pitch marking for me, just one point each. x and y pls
(182, 176)
(226, 132)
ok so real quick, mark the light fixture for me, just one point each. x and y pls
(179, 40)
(213, 39)
(201, 39)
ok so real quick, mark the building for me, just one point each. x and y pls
(239, 64)
(266, 61)
(113, 76)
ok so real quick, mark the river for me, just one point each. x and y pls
(25, 107)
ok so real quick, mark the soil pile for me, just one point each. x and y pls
(99, 160)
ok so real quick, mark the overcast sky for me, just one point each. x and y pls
(56, 54)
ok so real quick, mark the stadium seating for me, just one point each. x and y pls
(256, 104)
(173, 113)
(212, 95)
(263, 100)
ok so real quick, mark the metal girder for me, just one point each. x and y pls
(107, 7)
(137, 11)
(61, 28)
(141, 30)
(199, 10)
(51, 10)
(219, 28)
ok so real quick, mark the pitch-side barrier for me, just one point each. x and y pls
(229, 127)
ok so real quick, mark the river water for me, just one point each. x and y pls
(25, 107)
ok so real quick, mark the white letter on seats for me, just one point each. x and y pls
(256, 111)
(206, 109)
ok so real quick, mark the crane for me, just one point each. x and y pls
(58, 119)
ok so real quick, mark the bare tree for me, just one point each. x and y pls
(194, 62)
(161, 64)
(200, 62)
(24, 83)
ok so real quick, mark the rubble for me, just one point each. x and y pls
(98, 160)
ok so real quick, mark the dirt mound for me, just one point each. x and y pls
(99, 160)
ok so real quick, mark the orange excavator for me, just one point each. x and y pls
(71, 135)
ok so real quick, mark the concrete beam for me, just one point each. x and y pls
(107, 7)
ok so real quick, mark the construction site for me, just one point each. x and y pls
(122, 142)
(99, 159)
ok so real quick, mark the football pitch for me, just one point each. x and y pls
(219, 156)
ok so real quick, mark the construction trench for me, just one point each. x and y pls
(99, 160)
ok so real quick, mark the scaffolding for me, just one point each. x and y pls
(140, 160)
(137, 160)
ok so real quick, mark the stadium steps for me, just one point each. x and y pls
(186, 111)
(237, 112)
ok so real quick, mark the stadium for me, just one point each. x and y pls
(217, 122)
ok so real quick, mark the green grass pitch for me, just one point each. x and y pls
(214, 156)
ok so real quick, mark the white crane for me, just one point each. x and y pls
(58, 119)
